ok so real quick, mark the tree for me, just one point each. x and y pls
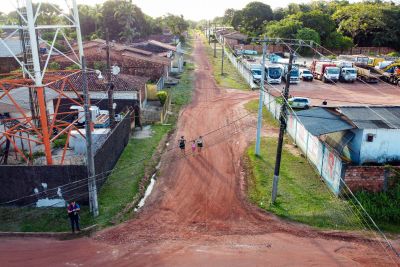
(361, 21)
(286, 28)
(228, 16)
(308, 34)
(125, 15)
(177, 24)
(254, 16)
(237, 19)
(337, 40)
(318, 21)
(87, 20)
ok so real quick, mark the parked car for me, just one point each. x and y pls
(299, 102)
(306, 75)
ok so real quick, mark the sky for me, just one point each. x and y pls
(190, 9)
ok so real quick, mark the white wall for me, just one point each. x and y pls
(385, 146)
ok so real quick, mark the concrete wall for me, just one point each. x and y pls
(385, 146)
(69, 181)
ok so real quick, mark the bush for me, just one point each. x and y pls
(60, 141)
(382, 206)
(162, 96)
(73, 67)
(99, 65)
(54, 66)
(394, 54)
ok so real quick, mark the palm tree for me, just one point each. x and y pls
(125, 15)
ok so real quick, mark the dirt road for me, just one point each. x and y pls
(197, 214)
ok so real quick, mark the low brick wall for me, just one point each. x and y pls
(369, 178)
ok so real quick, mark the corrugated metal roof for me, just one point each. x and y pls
(21, 96)
(319, 121)
(14, 45)
(373, 117)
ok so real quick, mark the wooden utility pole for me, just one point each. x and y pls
(110, 85)
(92, 187)
(282, 128)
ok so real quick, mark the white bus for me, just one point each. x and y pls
(273, 73)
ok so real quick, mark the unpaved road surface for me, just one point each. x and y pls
(197, 214)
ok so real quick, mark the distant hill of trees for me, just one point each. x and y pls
(333, 24)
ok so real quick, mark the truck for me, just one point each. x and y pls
(347, 72)
(325, 71)
(358, 60)
(368, 74)
(294, 74)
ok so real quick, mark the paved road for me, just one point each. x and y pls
(198, 214)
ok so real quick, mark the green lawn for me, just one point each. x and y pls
(231, 77)
(302, 197)
(268, 119)
(14, 219)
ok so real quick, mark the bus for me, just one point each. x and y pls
(273, 73)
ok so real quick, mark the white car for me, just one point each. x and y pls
(306, 75)
(299, 102)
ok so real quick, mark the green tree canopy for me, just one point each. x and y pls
(286, 28)
(308, 34)
(254, 15)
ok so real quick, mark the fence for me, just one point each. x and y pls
(242, 69)
(160, 83)
(165, 110)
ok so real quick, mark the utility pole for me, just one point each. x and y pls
(261, 99)
(92, 187)
(282, 119)
(223, 55)
(110, 85)
(209, 32)
(215, 40)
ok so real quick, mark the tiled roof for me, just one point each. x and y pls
(122, 82)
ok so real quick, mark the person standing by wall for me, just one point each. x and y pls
(73, 213)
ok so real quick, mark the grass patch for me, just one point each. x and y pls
(302, 197)
(15, 219)
(268, 119)
(383, 207)
(231, 77)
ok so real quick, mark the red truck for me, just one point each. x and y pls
(325, 71)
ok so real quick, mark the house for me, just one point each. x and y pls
(131, 60)
(235, 38)
(129, 92)
(349, 145)
(173, 52)
(7, 61)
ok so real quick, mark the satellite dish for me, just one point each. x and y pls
(115, 70)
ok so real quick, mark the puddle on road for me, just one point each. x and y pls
(147, 193)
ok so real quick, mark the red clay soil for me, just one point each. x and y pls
(198, 214)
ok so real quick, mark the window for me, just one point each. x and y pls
(370, 137)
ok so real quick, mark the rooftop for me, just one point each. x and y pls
(373, 117)
(14, 44)
(319, 121)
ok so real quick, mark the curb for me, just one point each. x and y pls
(55, 235)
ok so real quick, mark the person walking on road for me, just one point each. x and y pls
(193, 146)
(73, 213)
(182, 144)
(200, 143)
